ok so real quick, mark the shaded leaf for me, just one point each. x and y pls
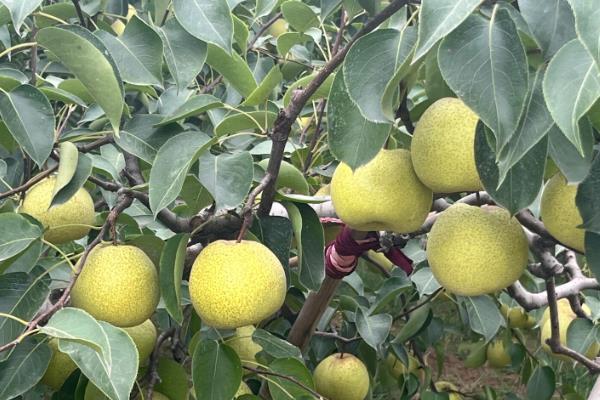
(592, 252)
(425, 281)
(263, 91)
(195, 105)
(588, 198)
(581, 334)
(299, 15)
(287, 40)
(373, 329)
(571, 163)
(418, 320)
(172, 261)
(24, 368)
(20, 9)
(66, 167)
(171, 165)
(275, 346)
(16, 234)
(216, 371)
(493, 78)
(587, 27)
(484, 316)
(249, 121)
(542, 383)
(571, 86)
(233, 68)
(352, 138)
(291, 367)
(29, 117)
(227, 177)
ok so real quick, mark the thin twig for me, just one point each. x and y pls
(80, 14)
(419, 305)
(315, 138)
(337, 337)
(29, 183)
(263, 29)
(286, 377)
(247, 210)
(152, 374)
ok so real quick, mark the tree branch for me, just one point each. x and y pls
(287, 116)
(286, 377)
(263, 29)
(80, 14)
(152, 374)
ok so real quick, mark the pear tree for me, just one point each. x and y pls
(299, 199)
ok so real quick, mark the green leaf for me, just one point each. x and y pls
(366, 80)
(587, 199)
(113, 371)
(373, 329)
(310, 243)
(289, 177)
(571, 163)
(89, 60)
(20, 9)
(233, 68)
(542, 383)
(173, 379)
(171, 165)
(389, 291)
(66, 167)
(227, 177)
(419, 319)
(352, 138)
(143, 135)
(240, 33)
(28, 116)
(264, 7)
(425, 281)
(24, 261)
(24, 368)
(274, 346)
(437, 18)
(195, 105)
(137, 52)
(592, 252)
(83, 170)
(484, 317)
(523, 181)
(535, 123)
(11, 78)
(16, 234)
(275, 233)
(587, 27)
(551, 22)
(56, 94)
(263, 91)
(21, 295)
(185, 55)
(172, 261)
(322, 91)
(77, 325)
(208, 20)
(248, 121)
(571, 86)
(299, 15)
(282, 389)
(216, 371)
(492, 77)
(287, 40)
(581, 334)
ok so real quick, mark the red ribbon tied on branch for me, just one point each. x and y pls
(342, 254)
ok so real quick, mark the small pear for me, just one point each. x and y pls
(342, 376)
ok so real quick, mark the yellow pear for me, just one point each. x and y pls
(60, 368)
(342, 376)
(380, 259)
(564, 320)
(118, 27)
(242, 390)
(382, 195)
(497, 355)
(144, 337)
(118, 284)
(450, 388)
(289, 177)
(236, 284)
(244, 346)
(564, 308)
(443, 147)
(517, 317)
(278, 28)
(560, 214)
(64, 222)
(474, 251)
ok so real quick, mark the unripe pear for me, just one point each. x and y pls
(564, 308)
(450, 388)
(517, 317)
(342, 376)
(118, 284)
(474, 251)
(443, 147)
(236, 284)
(398, 369)
(242, 390)
(244, 346)
(380, 259)
(497, 356)
(60, 368)
(144, 337)
(560, 214)
(278, 28)
(564, 320)
(324, 191)
(382, 195)
(68, 221)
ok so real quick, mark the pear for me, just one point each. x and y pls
(517, 317)
(236, 284)
(560, 213)
(398, 369)
(244, 346)
(474, 251)
(65, 222)
(443, 147)
(342, 376)
(450, 388)
(242, 390)
(144, 337)
(497, 355)
(382, 195)
(60, 368)
(118, 284)
(278, 28)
